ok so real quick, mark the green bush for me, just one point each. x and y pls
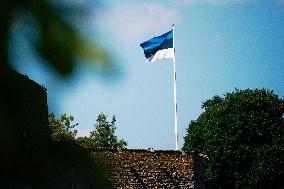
(242, 134)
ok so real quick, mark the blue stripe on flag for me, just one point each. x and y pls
(155, 44)
(168, 43)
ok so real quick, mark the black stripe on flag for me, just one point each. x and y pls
(167, 43)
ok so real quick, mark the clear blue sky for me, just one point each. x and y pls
(220, 45)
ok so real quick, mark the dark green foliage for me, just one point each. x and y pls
(85, 142)
(103, 136)
(62, 129)
(243, 136)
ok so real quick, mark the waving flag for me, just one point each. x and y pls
(159, 47)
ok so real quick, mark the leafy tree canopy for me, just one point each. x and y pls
(62, 129)
(103, 136)
(242, 134)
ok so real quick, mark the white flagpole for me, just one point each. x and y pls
(175, 93)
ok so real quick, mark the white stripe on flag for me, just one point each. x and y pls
(164, 53)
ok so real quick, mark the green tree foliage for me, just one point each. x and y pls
(62, 129)
(85, 142)
(243, 136)
(103, 135)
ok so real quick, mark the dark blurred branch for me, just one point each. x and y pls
(56, 40)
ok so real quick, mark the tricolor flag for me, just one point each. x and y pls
(159, 47)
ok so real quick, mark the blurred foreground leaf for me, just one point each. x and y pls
(57, 41)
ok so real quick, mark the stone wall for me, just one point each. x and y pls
(30, 160)
(150, 169)
(23, 112)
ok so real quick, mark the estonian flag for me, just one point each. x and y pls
(159, 47)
